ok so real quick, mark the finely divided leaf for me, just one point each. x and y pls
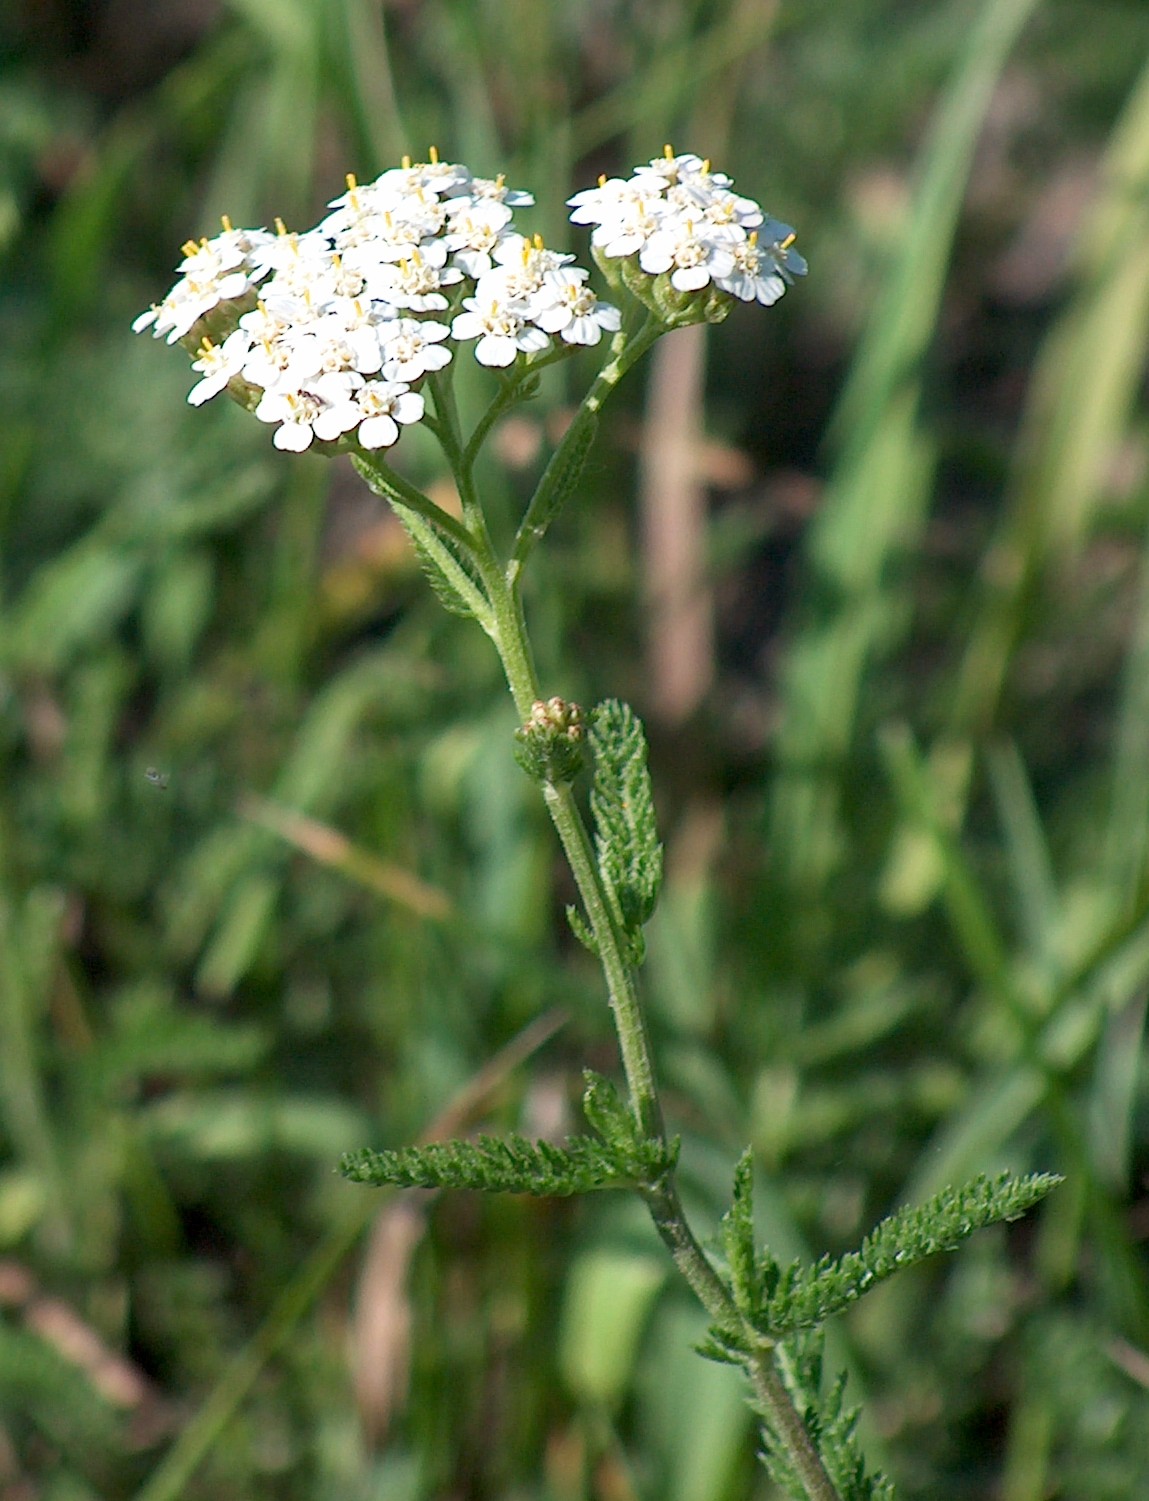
(808, 1295)
(626, 832)
(503, 1164)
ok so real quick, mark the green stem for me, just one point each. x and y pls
(507, 629)
(661, 1196)
(510, 392)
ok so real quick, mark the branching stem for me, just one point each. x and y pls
(661, 1196)
(506, 626)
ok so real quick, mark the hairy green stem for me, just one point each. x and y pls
(661, 1197)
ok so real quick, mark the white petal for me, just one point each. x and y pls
(293, 437)
(378, 432)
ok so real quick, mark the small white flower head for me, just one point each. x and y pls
(412, 348)
(475, 230)
(691, 255)
(293, 257)
(383, 406)
(441, 177)
(687, 243)
(296, 412)
(564, 305)
(522, 264)
(415, 283)
(776, 242)
(669, 169)
(754, 276)
(218, 364)
(495, 190)
(500, 326)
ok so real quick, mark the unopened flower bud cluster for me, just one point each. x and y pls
(549, 747)
(328, 333)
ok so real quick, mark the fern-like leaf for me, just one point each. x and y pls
(805, 1296)
(626, 832)
(738, 1238)
(450, 576)
(831, 1424)
(508, 1164)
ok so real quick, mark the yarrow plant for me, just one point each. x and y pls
(342, 336)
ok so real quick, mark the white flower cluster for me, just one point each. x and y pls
(326, 332)
(678, 217)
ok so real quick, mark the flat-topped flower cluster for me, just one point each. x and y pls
(328, 332)
(678, 218)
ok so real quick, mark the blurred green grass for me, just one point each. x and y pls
(906, 932)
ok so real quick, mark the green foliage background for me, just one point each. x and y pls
(905, 932)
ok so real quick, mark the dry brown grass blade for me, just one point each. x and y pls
(118, 1380)
(679, 623)
(381, 1321)
(329, 847)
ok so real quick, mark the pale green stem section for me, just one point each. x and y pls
(507, 628)
(661, 1195)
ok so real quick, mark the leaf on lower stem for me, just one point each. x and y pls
(626, 831)
(581, 929)
(831, 1424)
(510, 1164)
(805, 1296)
(558, 483)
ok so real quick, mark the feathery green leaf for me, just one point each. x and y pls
(507, 1164)
(626, 831)
(831, 1424)
(808, 1295)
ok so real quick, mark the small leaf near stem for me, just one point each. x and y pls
(387, 483)
(443, 546)
(557, 480)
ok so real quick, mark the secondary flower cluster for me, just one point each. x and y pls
(327, 333)
(678, 218)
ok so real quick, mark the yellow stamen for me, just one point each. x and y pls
(205, 348)
(706, 165)
(405, 163)
(668, 152)
(351, 182)
(280, 227)
(602, 179)
(189, 247)
(433, 155)
(788, 241)
(537, 242)
(226, 222)
(753, 237)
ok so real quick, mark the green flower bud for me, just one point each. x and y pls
(549, 747)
